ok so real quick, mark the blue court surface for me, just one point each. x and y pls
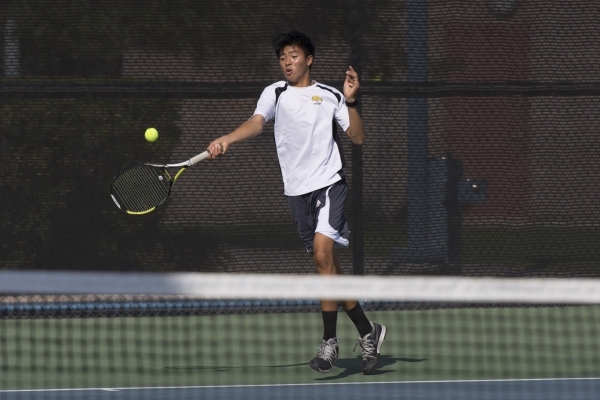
(543, 389)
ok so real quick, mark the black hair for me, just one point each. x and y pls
(294, 38)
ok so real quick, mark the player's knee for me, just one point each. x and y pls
(324, 262)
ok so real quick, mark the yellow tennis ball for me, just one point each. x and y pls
(151, 134)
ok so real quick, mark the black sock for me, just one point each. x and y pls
(329, 324)
(360, 320)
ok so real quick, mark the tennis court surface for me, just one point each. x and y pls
(227, 338)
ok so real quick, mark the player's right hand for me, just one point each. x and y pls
(217, 148)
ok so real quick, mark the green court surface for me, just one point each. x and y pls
(264, 349)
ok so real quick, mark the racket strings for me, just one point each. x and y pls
(140, 188)
(149, 188)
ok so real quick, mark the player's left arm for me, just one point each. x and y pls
(356, 130)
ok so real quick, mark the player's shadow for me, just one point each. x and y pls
(224, 368)
(352, 366)
(348, 366)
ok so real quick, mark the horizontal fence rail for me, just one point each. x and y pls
(202, 90)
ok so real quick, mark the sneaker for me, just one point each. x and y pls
(371, 345)
(326, 357)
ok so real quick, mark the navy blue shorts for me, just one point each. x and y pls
(321, 211)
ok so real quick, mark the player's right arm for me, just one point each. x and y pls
(265, 111)
(248, 130)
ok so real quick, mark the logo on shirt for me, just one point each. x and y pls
(316, 100)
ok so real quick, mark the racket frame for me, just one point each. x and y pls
(183, 165)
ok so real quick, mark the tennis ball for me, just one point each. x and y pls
(151, 134)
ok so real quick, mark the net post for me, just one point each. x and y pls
(417, 250)
(418, 151)
(354, 24)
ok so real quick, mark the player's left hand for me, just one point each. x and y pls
(351, 84)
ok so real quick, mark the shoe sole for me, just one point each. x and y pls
(323, 371)
(379, 342)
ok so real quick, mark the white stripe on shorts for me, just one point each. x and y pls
(323, 226)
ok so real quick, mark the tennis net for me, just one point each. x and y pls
(219, 336)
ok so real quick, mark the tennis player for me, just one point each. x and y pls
(306, 114)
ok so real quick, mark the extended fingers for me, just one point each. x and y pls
(352, 74)
(351, 84)
(352, 78)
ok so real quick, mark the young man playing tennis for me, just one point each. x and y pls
(305, 114)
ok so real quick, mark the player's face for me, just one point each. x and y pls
(295, 65)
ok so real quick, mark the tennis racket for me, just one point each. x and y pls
(140, 188)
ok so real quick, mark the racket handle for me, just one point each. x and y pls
(198, 158)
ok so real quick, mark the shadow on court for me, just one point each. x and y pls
(227, 368)
(348, 366)
(352, 366)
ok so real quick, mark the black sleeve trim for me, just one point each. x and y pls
(278, 92)
(337, 95)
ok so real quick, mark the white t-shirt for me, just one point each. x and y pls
(308, 146)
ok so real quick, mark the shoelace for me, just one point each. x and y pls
(327, 351)
(367, 347)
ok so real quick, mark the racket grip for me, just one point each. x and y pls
(198, 158)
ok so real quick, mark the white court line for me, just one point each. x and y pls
(300, 384)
